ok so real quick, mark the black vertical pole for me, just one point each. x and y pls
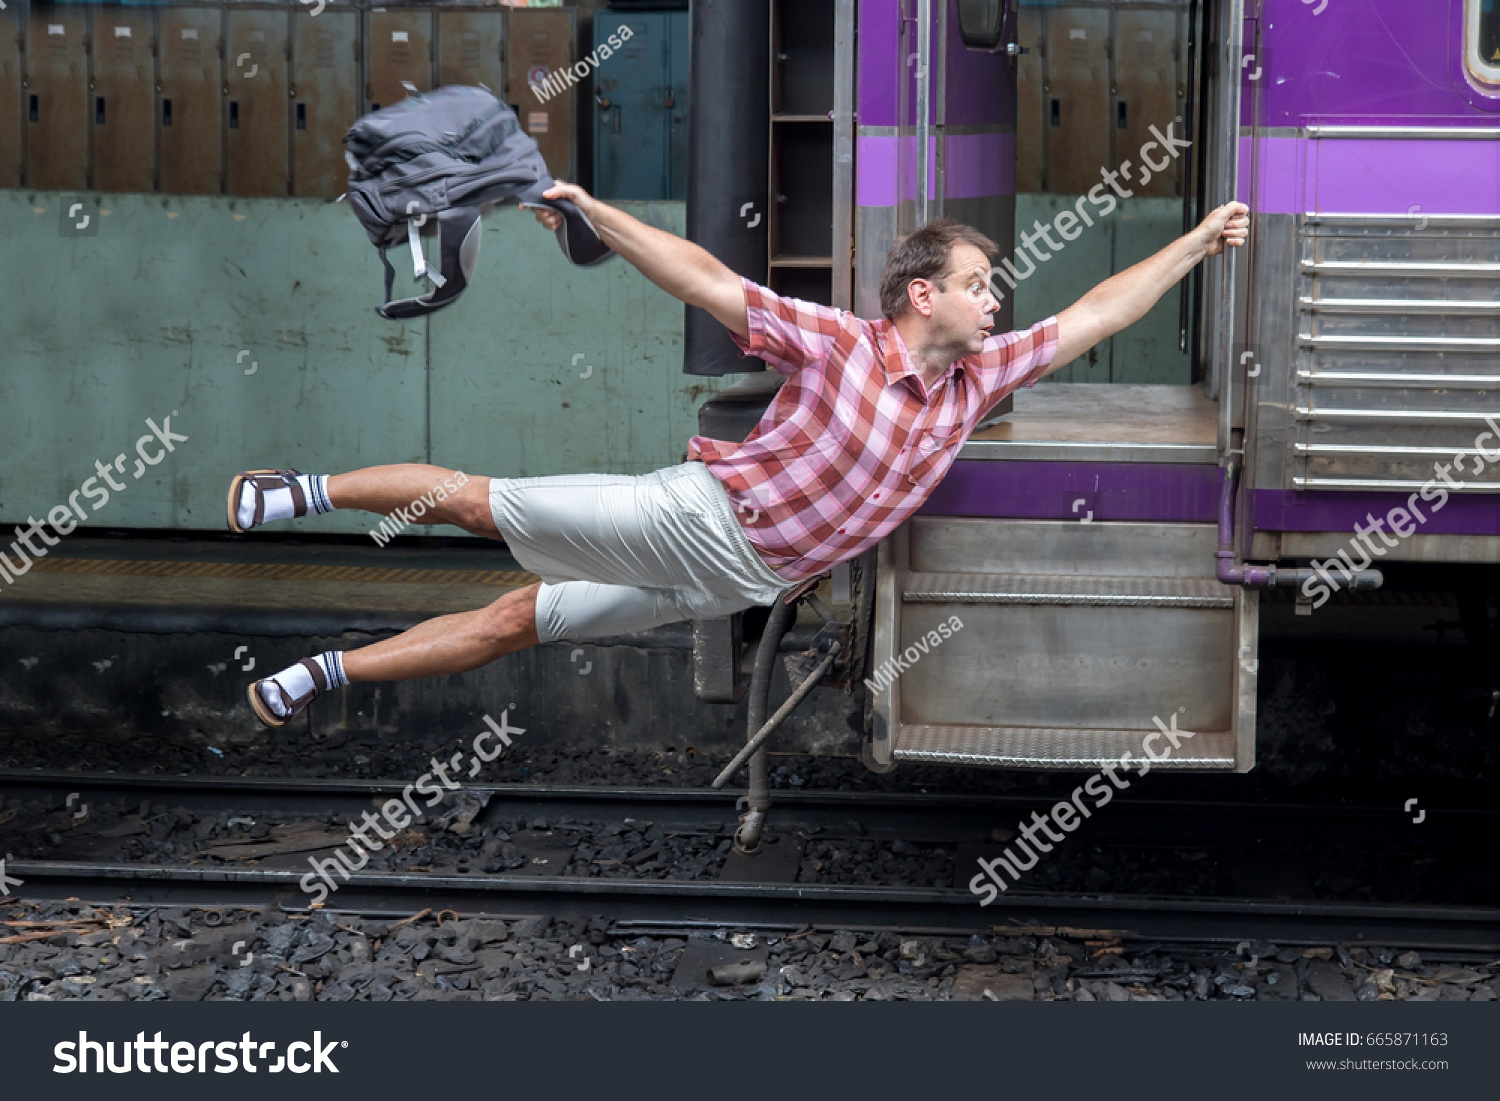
(729, 122)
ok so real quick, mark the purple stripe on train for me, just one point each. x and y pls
(1173, 493)
(978, 165)
(1164, 492)
(1361, 176)
(1288, 510)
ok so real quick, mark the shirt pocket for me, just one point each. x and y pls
(930, 457)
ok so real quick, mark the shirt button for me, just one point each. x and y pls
(877, 496)
(841, 531)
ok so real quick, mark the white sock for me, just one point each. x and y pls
(279, 503)
(295, 681)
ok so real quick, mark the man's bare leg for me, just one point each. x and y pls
(384, 489)
(451, 643)
(448, 644)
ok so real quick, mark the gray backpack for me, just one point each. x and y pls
(431, 165)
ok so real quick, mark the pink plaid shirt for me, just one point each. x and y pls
(853, 442)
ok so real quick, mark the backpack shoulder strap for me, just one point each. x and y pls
(419, 265)
(390, 275)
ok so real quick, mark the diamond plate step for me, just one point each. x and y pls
(1040, 747)
(1112, 592)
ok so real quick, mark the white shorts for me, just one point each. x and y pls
(619, 553)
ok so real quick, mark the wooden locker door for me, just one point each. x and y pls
(190, 108)
(124, 100)
(541, 42)
(1030, 131)
(11, 124)
(256, 111)
(57, 136)
(325, 101)
(400, 50)
(471, 49)
(1146, 83)
(1077, 103)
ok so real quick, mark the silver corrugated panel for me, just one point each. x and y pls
(1398, 362)
(1120, 592)
(1041, 747)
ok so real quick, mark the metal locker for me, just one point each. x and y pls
(11, 26)
(1075, 98)
(124, 99)
(539, 43)
(256, 111)
(190, 107)
(640, 109)
(1147, 53)
(471, 49)
(325, 100)
(1030, 132)
(56, 102)
(400, 53)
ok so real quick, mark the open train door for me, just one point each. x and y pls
(1056, 605)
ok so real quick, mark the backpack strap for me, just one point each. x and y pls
(459, 232)
(419, 265)
(390, 275)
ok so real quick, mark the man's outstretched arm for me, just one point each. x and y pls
(679, 267)
(1124, 299)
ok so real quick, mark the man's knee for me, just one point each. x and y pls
(512, 618)
(472, 506)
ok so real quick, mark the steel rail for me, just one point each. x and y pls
(760, 904)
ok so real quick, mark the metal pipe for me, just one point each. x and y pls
(1252, 577)
(781, 713)
(1233, 572)
(752, 829)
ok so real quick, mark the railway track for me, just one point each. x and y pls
(953, 828)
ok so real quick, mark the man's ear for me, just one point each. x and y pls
(919, 293)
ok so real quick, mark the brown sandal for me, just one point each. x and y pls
(295, 706)
(260, 481)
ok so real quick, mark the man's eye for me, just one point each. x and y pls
(976, 292)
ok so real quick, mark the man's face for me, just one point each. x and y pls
(963, 315)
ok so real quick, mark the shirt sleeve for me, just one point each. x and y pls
(1013, 360)
(787, 333)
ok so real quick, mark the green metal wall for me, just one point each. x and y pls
(176, 297)
(1147, 351)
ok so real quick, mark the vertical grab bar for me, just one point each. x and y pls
(1185, 298)
(924, 105)
(1229, 161)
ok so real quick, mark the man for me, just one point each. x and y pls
(869, 420)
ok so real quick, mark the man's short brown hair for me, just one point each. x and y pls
(925, 254)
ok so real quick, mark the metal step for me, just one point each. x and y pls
(1111, 592)
(1046, 644)
(1041, 747)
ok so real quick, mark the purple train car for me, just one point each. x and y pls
(1106, 546)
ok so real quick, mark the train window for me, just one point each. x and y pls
(1482, 40)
